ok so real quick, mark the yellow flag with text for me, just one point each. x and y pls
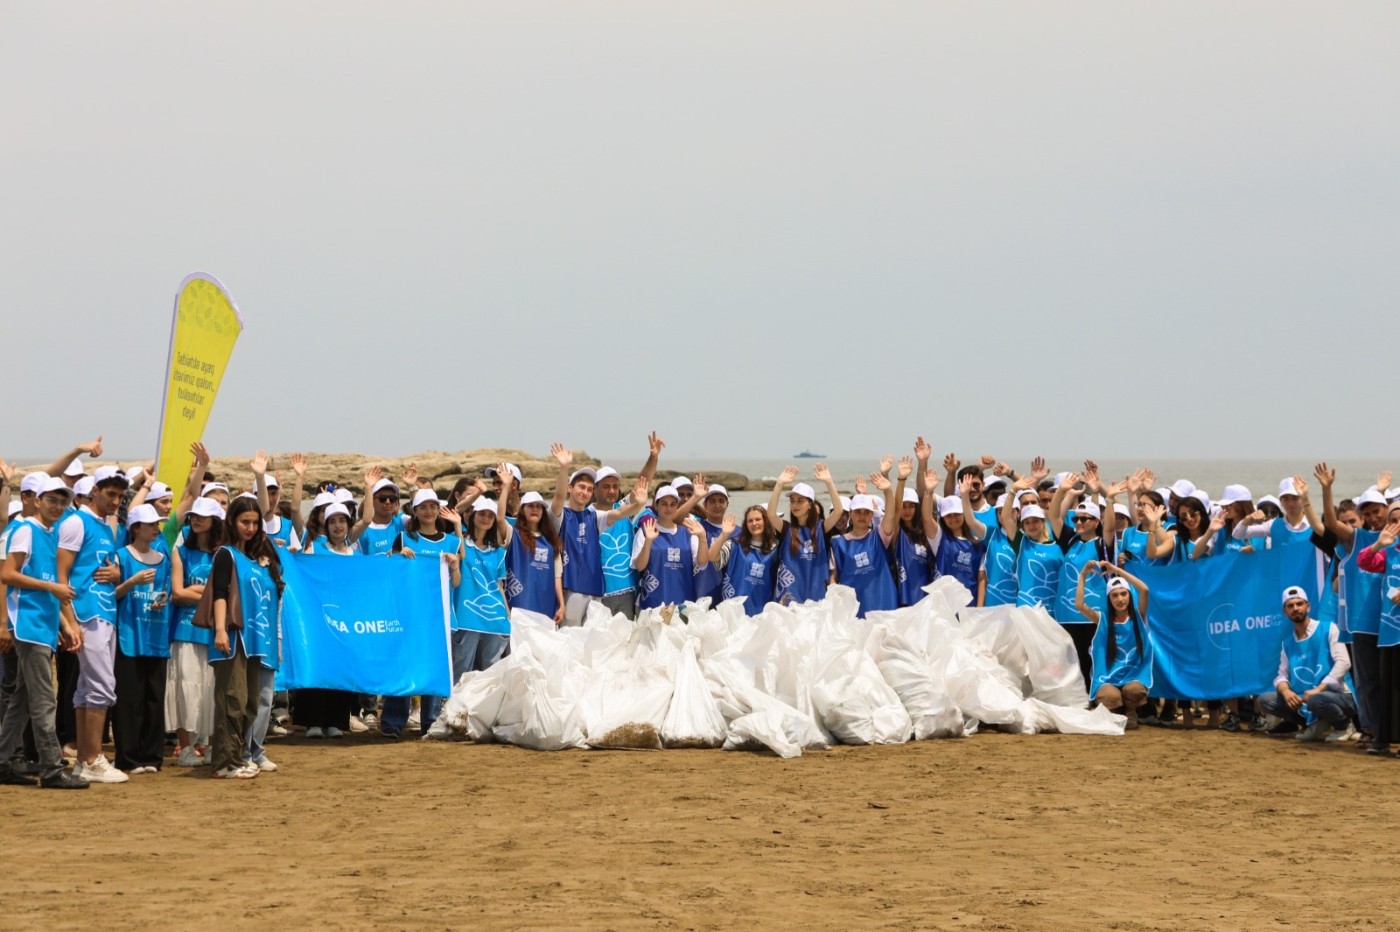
(205, 327)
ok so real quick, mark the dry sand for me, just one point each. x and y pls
(1156, 830)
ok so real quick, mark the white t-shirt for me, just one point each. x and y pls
(21, 541)
(72, 531)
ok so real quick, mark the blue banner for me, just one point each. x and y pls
(1216, 624)
(366, 624)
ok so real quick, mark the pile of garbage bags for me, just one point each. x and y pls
(794, 678)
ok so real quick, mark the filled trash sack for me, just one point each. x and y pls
(791, 679)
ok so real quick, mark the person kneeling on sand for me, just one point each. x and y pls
(1310, 688)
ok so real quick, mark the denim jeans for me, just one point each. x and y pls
(257, 731)
(1334, 708)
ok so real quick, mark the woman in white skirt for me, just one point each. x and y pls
(189, 685)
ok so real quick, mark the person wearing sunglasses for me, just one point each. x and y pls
(1084, 537)
(380, 528)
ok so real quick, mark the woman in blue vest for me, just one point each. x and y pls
(668, 555)
(747, 561)
(326, 712)
(189, 684)
(1086, 537)
(911, 551)
(1383, 559)
(245, 643)
(860, 558)
(803, 561)
(143, 646)
(957, 534)
(996, 578)
(1122, 655)
(1038, 555)
(534, 581)
(481, 618)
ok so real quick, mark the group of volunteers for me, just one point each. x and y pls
(128, 609)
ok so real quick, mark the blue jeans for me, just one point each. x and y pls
(476, 650)
(396, 708)
(257, 731)
(1334, 708)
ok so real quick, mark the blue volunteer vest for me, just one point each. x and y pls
(959, 558)
(913, 565)
(478, 604)
(34, 615)
(143, 614)
(1361, 606)
(1078, 553)
(1390, 612)
(583, 564)
(94, 599)
(1038, 572)
(424, 547)
(669, 576)
(864, 566)
(530, 576)
(284, 532)
(1309, 662)
(999, 563)
(749, 576)
(197, 565)
(376, 541)
(801, 578)
(615, 552)
(1129, 664)
(1133, 541)
(708, 580)
(258, 600)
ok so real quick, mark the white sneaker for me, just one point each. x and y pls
(265, 765)
(414, 721)
(100, 771)
(315, 731)
(189, 757)
(356, 726)
(1314, 732)
(1336, 736)
(333, 732)
(371, 721)
(277, 731)
(235, 773)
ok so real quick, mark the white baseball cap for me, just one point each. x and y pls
(681, 482)
(531, 498)
(1117, 582)
(1234, 494)
(910, 495)
(208, 508)
(108, 473)
(335, 509)
(484, 504)
(271, 481)
(385, 483)
(804, 490)
(1088, 510)
(845, 503)
(1182, 488)
(54, 484)
(950, 505)
(323, 498)
(1295, 592)
(33, 482)
(666, 491)
(604, 472)
(588, 471)
(423, 496)
(862, 503)
(491, 471)
(1286, 487)
(142, 514)
(1121, 509)
(1271, 500)
(213, 487)
(84, 486)
(716, 489)
(158, 491)
(246, 495)
(344, 496)
(1059, 480)
(1392, 494)
(75, 468)
(132, 473)
(1370, 497)
(1032, 511)
(992, 480)
(15, 508)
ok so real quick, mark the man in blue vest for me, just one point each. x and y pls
(1310, 688)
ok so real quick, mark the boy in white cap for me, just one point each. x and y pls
(616, 540)
(580, 524)
(87, 548)
(1305, 694)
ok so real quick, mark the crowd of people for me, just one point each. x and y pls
(128, 610)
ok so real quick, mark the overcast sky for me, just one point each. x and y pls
(755, 226)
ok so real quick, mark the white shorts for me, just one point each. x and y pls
(97, 661)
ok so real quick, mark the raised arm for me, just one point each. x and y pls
(654, 447)
(1007, 515)
(889, 522)
(1084, 608)
(502, 505)
(922, 453)
(1309, 511)
(638, 500)
(976, 528)
(1057, 504)
(1108, 521)
(951, 465)
(726, 532)
(698, 491)
(702, 550)
(1138, 585)
(92, 449)
(372, 475)
(1204, 544)
(1160, 541)
(774, 500)
(1326, 475)
(259, 466)
(565, 458)
(823, 475)
(299, 468)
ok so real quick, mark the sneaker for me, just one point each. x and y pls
(9, 776)
(189, 757)
(414, 721)
(63, 780)
(1265, 723)
(1315, 731)
(370, 720)
(333, 732)
(315, 731)
(281, 717)
(388, 732)
(266, 766)
(277, 731)
(234, 773)
(70, 752)
(1337, 736)
(100, 771)
(357, 726)
(1231, 723)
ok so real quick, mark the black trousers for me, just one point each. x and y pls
(1083, 636)
(323, 708)
(1388, 697)
(138, 718)
(65, 720)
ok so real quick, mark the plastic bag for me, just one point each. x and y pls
(471, 710)
(627, 710)
(1051, 658)
(919, 685)
(1040, 716)
(855, 703)
(767, 729)
(693, 719)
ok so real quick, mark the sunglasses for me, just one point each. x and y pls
(386, 498)
(1082, 518)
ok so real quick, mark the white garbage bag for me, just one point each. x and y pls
(693, 719)
(1041, 716)
(919, 685)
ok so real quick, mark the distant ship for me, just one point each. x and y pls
(808, 455)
